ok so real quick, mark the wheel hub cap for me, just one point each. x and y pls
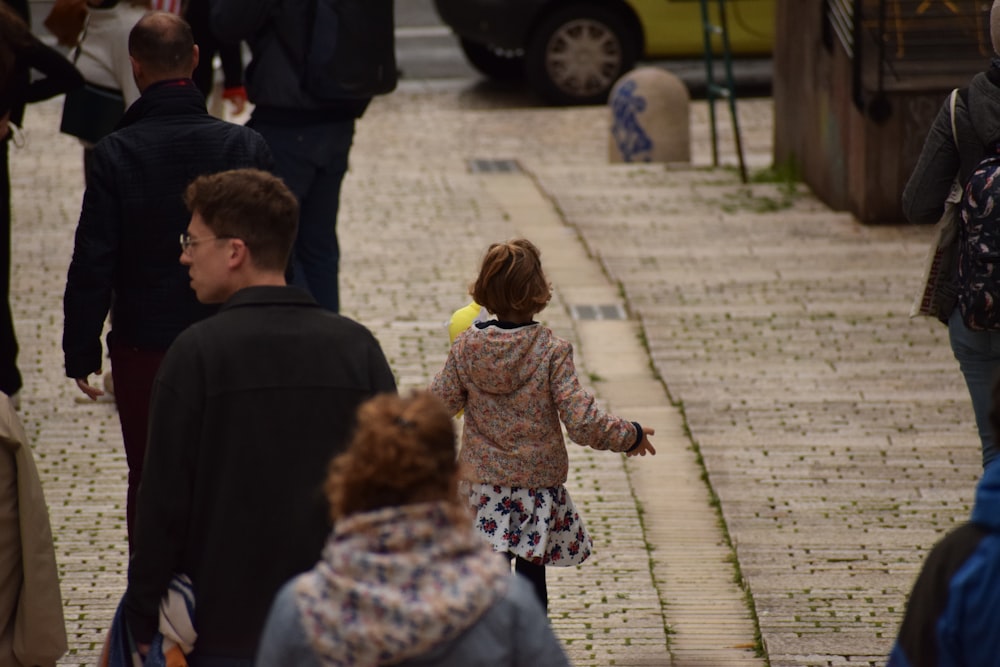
(583, 57)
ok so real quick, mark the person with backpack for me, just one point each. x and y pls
(956, 147)
(315, 66)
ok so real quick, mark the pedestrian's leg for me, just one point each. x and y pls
(536, 575)
(312, 161)
(289, 147)
(317, 251)
(10, 376)
(978, 355)
(133, 371)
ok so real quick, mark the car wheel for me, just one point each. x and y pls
(499, 64)
(576, 54)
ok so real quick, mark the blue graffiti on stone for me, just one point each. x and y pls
(632, 140)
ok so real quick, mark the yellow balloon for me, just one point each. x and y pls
(462, 319)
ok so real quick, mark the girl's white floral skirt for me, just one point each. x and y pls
(539, 525)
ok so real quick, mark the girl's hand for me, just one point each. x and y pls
(645, 446)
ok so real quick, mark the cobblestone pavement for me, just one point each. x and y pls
(834, 430)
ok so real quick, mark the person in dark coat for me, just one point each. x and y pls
(249, 407)
(20, 52)
(125, 256)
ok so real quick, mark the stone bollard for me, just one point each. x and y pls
(650, 119)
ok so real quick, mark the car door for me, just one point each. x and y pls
(673, 28)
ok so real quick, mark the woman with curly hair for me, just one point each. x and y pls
(20, 52)
(404, 580)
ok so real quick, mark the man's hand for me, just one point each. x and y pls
(645, 446)
(92, 392)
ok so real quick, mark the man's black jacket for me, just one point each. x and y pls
(126, 256)
(248, 408)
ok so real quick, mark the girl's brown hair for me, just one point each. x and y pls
(403, 452)
(511, 280)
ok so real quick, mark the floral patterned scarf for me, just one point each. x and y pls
(395, 582)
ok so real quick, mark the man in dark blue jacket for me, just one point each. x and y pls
(125, 257)
(951, 616)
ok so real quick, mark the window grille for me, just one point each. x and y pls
(909, 46)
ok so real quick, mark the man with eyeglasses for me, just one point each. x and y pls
(125, 257)
(248, 408)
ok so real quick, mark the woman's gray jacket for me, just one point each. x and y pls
(515, 632)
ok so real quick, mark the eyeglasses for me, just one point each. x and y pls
(187, 241)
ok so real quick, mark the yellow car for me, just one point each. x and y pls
(573, 51)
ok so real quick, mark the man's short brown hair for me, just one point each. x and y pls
(511, 280)
(251, 205)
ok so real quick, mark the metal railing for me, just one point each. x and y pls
(716, 33)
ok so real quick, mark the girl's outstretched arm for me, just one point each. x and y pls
(586, 423)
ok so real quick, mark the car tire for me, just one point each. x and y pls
(498, 64)
(577, 53)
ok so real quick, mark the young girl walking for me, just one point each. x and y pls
(516, 381)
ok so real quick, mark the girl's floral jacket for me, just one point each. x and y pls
(516, 383)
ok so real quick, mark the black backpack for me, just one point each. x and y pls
(979, 246)
(349, 50)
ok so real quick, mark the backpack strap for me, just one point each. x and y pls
(957, 189)
(954, 129)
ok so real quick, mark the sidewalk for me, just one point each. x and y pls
(836, 433)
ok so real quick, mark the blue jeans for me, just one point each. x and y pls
(978, 355)
(312, 159)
